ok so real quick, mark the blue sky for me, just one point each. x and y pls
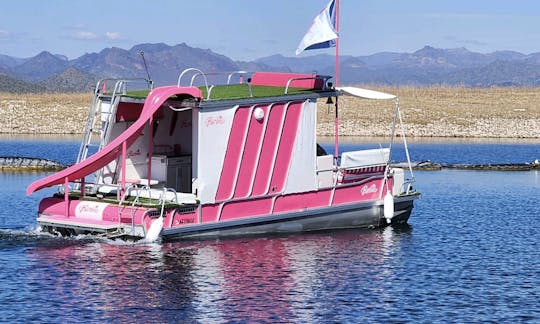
(249, 29)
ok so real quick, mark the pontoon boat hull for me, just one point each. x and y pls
(360, 215)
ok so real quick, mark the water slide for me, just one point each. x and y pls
(114, 149)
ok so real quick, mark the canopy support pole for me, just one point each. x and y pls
(336, 121)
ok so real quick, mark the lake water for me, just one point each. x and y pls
(470, 253)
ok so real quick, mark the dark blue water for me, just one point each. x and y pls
(470, 254)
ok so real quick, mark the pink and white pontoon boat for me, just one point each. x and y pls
(184, 161)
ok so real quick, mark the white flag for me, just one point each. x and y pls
(322, 33)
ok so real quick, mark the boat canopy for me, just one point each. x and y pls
(365, 93)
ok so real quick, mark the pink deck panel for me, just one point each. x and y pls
(286, 144)
(362, 192)
(250, 159)
(280, 80)
(182, 219)
(210, 213)
(302, 201)
(234, 154)
(56, 207)
(267, 157)
(246, 208)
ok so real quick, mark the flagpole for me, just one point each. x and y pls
(336, 122)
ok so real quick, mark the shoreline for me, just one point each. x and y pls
(432, 112)
(320, 139)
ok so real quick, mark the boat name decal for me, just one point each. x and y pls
(368, 189)
(91, 210)
(213, 121)
(189, 220)
(131, 153)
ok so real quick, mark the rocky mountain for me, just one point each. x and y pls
(40, 67)
(426, 66)
(70, 80)
(9, 61)
(9, 84)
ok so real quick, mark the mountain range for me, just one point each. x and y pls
(424, 67)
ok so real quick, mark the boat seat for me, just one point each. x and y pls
(364, 158)
(357, 174)
(152, 193)
(358, 165)
(170, 196)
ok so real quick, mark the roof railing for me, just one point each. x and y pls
(101, 85)
(315, 77)
(193, 77)
(243, 77)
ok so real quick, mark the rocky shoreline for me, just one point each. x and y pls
(427, 112)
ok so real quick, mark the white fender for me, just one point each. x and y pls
(388, 206)
(155, 230)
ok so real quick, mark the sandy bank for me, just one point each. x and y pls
(427, 112)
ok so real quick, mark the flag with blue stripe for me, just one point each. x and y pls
(322, 33)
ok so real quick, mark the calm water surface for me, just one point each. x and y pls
(470, 253)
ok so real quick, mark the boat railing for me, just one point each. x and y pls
(240, 76)
(315, 77)
(122, 86)
(243, 78)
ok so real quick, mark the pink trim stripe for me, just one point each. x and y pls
(233, 155)
(210, 213)
(268, 150)
(284, 154)
(246, 208)
(250, 158)
(302, 201)
(361, 192)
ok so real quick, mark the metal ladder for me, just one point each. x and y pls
(90, 129)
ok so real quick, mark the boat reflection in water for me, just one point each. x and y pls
(278, 278)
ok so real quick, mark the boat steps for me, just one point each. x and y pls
(78, 223)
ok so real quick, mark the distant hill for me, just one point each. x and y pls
(9, 84)
(9, 61)
(40, 67)
(70, 80)
(424, 67)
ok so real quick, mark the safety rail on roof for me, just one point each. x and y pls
(195, 73)
(315, 77)
(121, 85)
(258, 84)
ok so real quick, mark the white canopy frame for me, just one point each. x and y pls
(377, 95)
